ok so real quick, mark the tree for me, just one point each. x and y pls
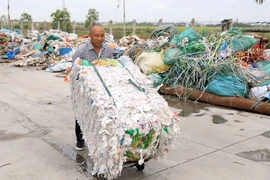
(62, 16)
(259, 1)
(92, 17)
(16, 26)
(3, 21)
(26, 17)
(26, 26)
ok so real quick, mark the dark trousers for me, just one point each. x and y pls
(78, 131)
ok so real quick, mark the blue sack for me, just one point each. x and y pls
(11, 54)
(229, 86)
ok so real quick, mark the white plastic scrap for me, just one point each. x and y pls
(132, 125)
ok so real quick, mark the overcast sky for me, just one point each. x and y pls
(144, 10)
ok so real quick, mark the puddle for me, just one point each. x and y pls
(187, 107)
(9, 136)
(51, 102)
(218, 119)
(84, 164)
(266, 134)
(237, 121)
(199, 115)
(82, 159)
(258, 155)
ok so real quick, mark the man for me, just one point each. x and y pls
(93, 49)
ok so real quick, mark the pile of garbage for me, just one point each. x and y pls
(39, 49)
(229, 64)
(123, 119)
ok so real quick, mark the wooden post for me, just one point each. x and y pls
(192, 23)
(44, 26)
(134, 27)
(21, 25)
(74, 27)
(111, 23)
(160, 22)
(58, 25)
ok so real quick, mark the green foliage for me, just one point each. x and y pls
(91, 18)
(259, 1)
(16, 26)
(26, 26)
(62, 16)
(26, 17)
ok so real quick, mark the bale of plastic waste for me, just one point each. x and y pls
(123, 119)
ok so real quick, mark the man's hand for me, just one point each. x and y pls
(68, 70)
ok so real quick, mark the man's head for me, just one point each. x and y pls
(97, 35)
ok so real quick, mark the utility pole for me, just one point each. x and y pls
(9, 21)
(124, 8)
(64, 8)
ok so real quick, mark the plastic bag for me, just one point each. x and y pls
(172, 55)
(228, 86)
(62, 66)
(156, 78)
(151, 63)
(54, 37)
(174, 40)
(243, 43)
(264, 66)
(260, 92)
(187, 36)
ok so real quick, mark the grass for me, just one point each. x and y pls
(144, 32)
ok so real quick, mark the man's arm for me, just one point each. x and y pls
(77, 54)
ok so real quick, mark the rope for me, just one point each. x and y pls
(132, 82)
(103, 83)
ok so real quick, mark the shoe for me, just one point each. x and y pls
(80, 145)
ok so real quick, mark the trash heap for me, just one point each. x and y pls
(228, 64)
(45, 49)
(123, 119)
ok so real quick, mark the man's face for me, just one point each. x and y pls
(97, 36)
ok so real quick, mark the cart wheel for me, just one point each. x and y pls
(140, 167)
(100, 177)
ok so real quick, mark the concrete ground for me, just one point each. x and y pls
(37, 137)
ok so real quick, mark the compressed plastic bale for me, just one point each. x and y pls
(131, 125)
(151, 62)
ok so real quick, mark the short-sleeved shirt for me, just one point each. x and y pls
(87, 52)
